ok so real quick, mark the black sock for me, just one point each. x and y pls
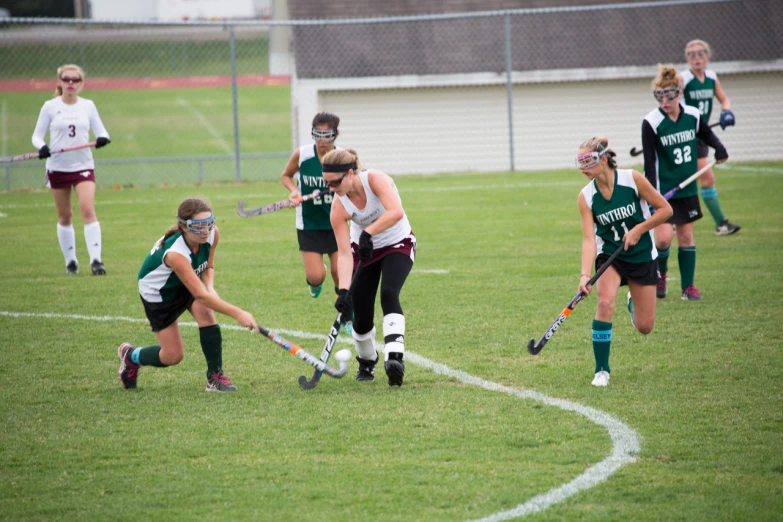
(212, 346)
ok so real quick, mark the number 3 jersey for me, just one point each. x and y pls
(613, 218)
(68, 125)
(313, 214)
(676, 157)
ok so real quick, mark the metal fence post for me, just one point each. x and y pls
(234, 103)
(509, 91)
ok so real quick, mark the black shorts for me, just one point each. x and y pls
(645, 274)
(702, 149)
(686, 210)
(319, 241)
(164, 314)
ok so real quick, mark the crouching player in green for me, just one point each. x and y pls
(178, 275)
(615, 214)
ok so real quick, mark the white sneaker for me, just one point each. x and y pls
(601, 378)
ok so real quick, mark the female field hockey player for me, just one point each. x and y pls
(615, 214)
(669, 137)
(178, 275)
(69, 118)
(302, 176)
(379, 237)
(701, 86)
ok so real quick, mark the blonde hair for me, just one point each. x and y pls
(343, 157)
(667, 77)
(600, 144)
(58, 91)
(694, 43)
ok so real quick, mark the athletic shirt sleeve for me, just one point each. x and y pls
(44, 118)
(95, 121)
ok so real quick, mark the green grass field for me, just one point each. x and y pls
(164, 124)
(701, 394)
(148, 56)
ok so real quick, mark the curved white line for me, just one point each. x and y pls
(625, 446)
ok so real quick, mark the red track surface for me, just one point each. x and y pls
(170, 82)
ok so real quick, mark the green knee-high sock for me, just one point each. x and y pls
(147, 356)
(212, 346)
(663, 261)
(710, 197)
(602, 341)
(687, 258)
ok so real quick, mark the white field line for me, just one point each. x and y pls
(625, 443)
(3, 215)
(430, 271)
(201, 118)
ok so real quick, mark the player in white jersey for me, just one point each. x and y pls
(380, 237)
(68, 119)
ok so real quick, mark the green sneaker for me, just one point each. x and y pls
(315, 291)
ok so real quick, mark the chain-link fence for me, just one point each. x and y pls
(489, 91)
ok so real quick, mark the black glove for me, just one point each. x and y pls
(365, 246)
(343, 304)
(102, 142)
(43, 152)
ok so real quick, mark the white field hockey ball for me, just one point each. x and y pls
(343, 355)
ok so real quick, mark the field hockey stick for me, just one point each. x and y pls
(34, 155)
(272, 207)
(534, 348)
(299, 353)
(639, 152)
(331, 339)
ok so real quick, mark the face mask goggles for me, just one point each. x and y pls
(200, 227)
(323, 134)
(670, 94)
(589, 160)
(698, 53)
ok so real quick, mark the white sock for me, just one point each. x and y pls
(67, 238)
(92, 236)
(393, 334)
(365, 345)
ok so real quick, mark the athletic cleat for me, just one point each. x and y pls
(217, 382)
(660, 288)
(315, 291)
(726, 229)
(72, 268)
(98, 268)
(395, 369)
(366, 370)
(129, 371)
(601, 378)
(630, 309)
(691, 294)
(348, 327)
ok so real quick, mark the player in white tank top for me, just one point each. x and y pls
(380, 238)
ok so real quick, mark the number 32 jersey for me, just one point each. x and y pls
(614, 217)
(676, 158)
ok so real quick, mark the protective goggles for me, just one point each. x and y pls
(698, 53)
(670, 94)
(199, 227)
(589, 160)
(323, 134)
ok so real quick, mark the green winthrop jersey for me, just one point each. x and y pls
(613, 218)
(157, 282)
(700, 94)
(313, 214)
(676, 158)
